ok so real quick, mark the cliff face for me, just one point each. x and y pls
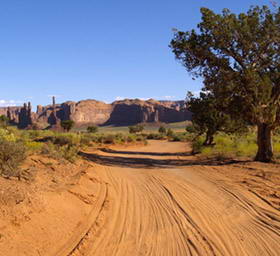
(125, 112)
(12, 113)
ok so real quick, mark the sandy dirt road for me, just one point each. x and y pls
(157, 200)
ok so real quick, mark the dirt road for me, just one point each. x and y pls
(157, 200)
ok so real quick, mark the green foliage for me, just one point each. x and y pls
(232, 145)
(12, 154)
(67, 125)
(136, 128)
(92, 129)
(190, 129)
(4, 121)
(209, 119)
(7, 135)
(162, 130)
(238, 58)
(156, 136)
(170, 132)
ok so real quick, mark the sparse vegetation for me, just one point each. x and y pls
(162, 130)
(67, 125)
(12, 154)
(232, 145)
(136, 128)
(92, 129)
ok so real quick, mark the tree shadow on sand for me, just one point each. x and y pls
(149, 163)
(108, 150)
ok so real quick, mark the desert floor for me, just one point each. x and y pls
(142, 200)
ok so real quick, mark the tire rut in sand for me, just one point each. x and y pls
(179, 212)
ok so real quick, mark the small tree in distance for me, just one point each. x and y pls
(92, 129)
(67, 125)
(4, 120)
(136, 128)
(162, 130)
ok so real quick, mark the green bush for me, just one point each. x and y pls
(162, 130)
(170, 132)
(156, 136)
(92, 129)
(190, 129)
(67, 125)
(12, 154)
(136, 128)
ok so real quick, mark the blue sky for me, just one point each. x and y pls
(102, 50)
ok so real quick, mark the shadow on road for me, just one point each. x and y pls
(149, 162)
(108, 150)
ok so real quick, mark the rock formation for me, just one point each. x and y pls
(86, 112)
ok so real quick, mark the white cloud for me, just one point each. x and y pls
(168, 97)
(9, 103)
(119, 98)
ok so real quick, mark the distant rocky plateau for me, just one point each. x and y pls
(92, 112)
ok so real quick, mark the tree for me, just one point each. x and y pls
(4, 120)
(136, 128)
(67, 125)
(170, 132)
(162, 130)
(92, 129)
(209, 119)
(238, 57)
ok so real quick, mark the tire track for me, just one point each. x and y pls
(179, 212)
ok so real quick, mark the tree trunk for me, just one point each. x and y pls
(265, 150)
(209, 139)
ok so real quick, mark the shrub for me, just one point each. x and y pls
(12, 154)
(136, 128)
(156, 136)
(4, 121)
(92, 129)
(170, 132)
(7, 135)
(34, 146)
(69, 153)
(67, 125)
(190, 129)
(162, 130)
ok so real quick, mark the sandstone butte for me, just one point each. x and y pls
(85, 112)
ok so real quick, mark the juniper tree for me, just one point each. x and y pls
(208, 119)
(238, 57)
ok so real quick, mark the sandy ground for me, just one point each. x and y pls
(143, 200)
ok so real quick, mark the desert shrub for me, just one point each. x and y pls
(87, 140)
(156, 136)
(162, 129)
(12, 154)
(4, 120)
(225, 146)
(33, 146)
(190, 129)
(69, 153)
(170, 132)
(7, 135)
(66, 152)
(67, 125)
(109, 139)
(92, 129)
(131, 138)
(120, 138)
(62, 141)
(197, 144)
(136, 128)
